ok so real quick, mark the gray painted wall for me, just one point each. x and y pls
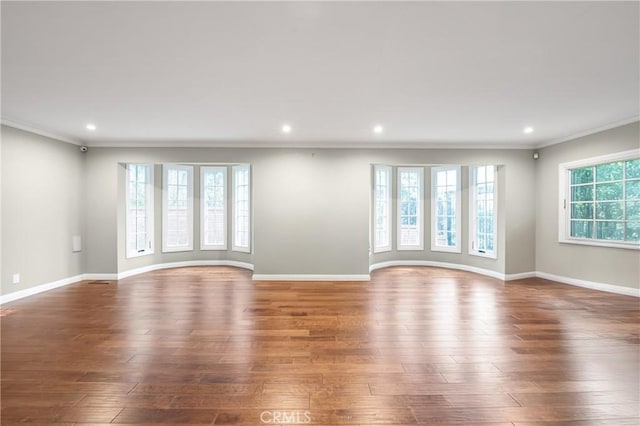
(42, 187)
(599, 264)
(311, 207)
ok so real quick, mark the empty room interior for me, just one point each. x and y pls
(326, 213)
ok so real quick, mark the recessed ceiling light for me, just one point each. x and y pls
(286, 128)
(91, 127)
(528, 130)
(378, 129)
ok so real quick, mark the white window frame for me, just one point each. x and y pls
(564, 202)
(473, 212)
(419, 212)
(434, 210)
(148, 211)
(165, 204)
(203, 172)
(377, 247)
(234, 171)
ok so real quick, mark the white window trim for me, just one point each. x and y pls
(150, 213)
(434, 220)
(234, 247)
(420, 220)
(385, 248)
(472, 213)
(203, 245)
(165, 202)
(564, 199)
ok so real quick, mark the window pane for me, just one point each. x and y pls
(632, 210)
(610, 230)
(633, 231)
(582, 193)
(382, 202)
(582, 211)
(410, 188)
(609, 171)
(609, 210)
(582, 175)
(633, 169)
(633, 190)
(609, 191)
(581, 229)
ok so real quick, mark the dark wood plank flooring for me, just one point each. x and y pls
(206, 345)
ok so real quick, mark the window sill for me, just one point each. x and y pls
(134, 255)
(487, 255)
(455, 250)
(213, 248)
(382, 250)
(601, 243)
(177, 249)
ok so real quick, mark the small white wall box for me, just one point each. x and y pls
(76, 243)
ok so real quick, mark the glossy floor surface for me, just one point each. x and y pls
(206, 345)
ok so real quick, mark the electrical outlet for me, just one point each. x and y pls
(16, 278)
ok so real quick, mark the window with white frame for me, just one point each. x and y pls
(213, 208)
(177, 208)
(241, 233)
(445, 209)
(600, 201)
(382, 208)
(483, 209)
(410, 208)
(139, 206)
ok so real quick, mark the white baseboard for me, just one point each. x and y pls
(106, 276)
(519, 276)
(171, 265)
(310, 277)
(610, 288)
(487, 272)
(100, 277)
(21, 294)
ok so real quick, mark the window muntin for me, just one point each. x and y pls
(483, 211)
(241, 235)
(600, 201)
(382, 209)
(446, 209)
(213, 208)
(410, 208)
(177, 203)
(139, 228)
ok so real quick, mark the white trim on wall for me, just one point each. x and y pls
(445, 265)
(609, 288)
(310, 277)
(21, 294)
(171, 265)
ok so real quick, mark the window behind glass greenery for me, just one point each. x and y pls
(139, 207)
(603, 201)
(241, 208)
(410, 202)
(177, 205)
(483, 208)
(382, 208)
(213, 208)
(445, 209)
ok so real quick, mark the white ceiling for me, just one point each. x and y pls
(432, 73)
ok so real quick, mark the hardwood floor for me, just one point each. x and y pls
(207, 345)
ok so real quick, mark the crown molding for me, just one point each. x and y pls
(591, 131)
(47, 134)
